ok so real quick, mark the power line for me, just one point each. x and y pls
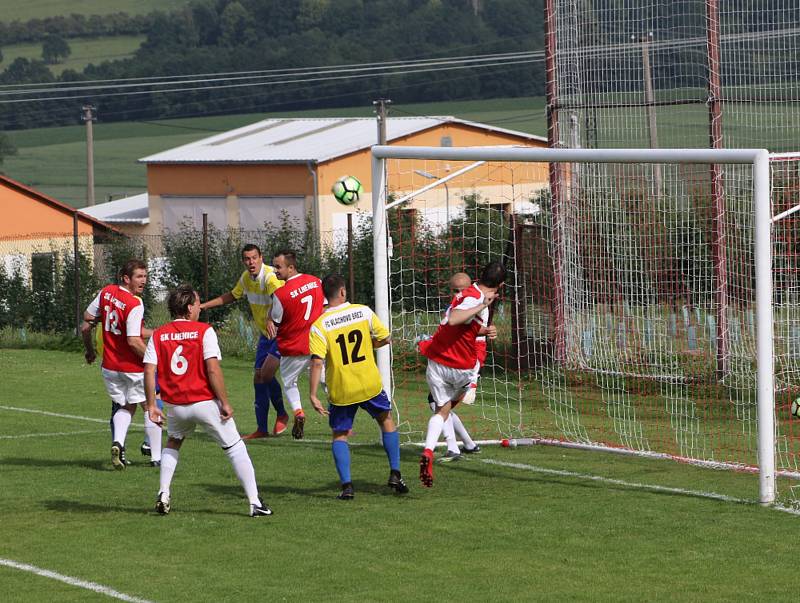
(259, 74)
(270, 83)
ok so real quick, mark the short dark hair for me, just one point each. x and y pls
(493, 275)
(180, 299)
(291, 256)
(250, 247)
(331, 285)
(129, 267)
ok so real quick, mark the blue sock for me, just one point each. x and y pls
(391, 444)
(341, 456)
(261, 406)
(276, 396)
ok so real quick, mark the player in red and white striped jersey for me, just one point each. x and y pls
(120, 312)
(295, 307)
(453, 356)
(186, 354)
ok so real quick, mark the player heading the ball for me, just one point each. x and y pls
(295, 307)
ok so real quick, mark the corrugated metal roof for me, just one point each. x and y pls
(303, 140)
(129, 210)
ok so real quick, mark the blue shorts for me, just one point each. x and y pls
(341, 417)
(266, 347)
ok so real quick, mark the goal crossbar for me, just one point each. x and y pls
(757, 158)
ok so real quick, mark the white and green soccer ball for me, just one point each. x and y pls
(347, 190)
(795, 408)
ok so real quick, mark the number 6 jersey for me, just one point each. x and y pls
(342, 337)
(121, 314)
(179, 350)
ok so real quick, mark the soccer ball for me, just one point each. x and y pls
(795, 409)
(347, 190)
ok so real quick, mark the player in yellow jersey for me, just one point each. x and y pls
(258, 282)
(341, 341)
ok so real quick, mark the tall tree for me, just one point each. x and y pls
(55, 49)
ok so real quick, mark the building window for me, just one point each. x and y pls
(446, 141)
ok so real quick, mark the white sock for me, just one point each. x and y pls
(153, 434)
(450, 434)
(293, 396)
(243, 467)
(122, 421)
(435, 426)
(462, 432)
(169, 461)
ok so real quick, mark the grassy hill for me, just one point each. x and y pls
(13, 10)
(84, 51)
(54, 159)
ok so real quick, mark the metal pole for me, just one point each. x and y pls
(76, 262)
(764, 326)
(557, 198)
(717, 185)
(380, 262)
(88, 117)
(350, 271)
(205, 256)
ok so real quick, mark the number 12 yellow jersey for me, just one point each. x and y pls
(342, 337)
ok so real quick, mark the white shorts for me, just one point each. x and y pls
(291, 367)
(183, 418)
(124, 388)
(447, 384)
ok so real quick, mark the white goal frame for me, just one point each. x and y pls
(757, 158)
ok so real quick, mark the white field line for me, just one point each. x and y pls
(640, 486)
(48, 435)
(92, 586)
(61, 415)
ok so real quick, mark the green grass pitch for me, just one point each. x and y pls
(543, 524)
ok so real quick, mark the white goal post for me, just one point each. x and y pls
(758, 159)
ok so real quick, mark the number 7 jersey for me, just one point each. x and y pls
(295, 307)
(342, 337)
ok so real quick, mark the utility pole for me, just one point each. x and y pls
(650, 101)
(88, 117)
(382, 110)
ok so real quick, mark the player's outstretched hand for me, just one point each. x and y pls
(90, 356)
(491, 332)
(272, 330)
(318, 406)
(225, 411)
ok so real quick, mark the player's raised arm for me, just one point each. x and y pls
(221, 300)
(459, 316)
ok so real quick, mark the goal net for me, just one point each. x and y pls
(635, 317)
(684, 73)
